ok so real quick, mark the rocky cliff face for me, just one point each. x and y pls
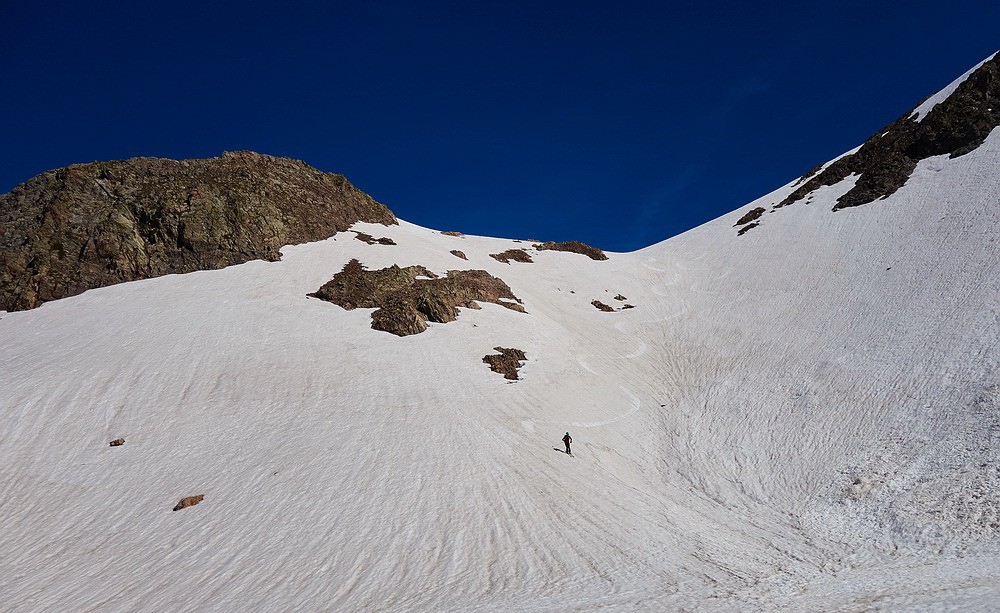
(91, 225)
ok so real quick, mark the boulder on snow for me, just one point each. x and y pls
(190, 501)
(458, 254)
(117, 442)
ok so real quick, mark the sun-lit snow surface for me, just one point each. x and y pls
(805, 417)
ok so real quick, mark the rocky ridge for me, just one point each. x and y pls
(90, 225)
(957, 125)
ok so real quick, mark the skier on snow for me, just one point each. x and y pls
(568, 439)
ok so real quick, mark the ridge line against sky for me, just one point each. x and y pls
(616, 125)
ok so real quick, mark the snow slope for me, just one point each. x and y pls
(805, 417)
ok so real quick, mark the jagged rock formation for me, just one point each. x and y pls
(955, 126)
(91, 225)
(518, 255)
(747, 228)
(507, 362)
(406, 302)
(574, 247)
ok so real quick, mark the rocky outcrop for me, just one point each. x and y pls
(574, 247)
(600, 306)
(190, 501)
(884, 162)
(507, 362)
(371, 240)
(751, 215)
(517, 255)
(407, 298)
(118, 442)
(92, 225)
(451, 233)
(620, 297)
(458, 254)
(747, 228)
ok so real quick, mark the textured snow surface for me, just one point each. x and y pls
(806, 417)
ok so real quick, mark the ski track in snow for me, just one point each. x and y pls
(802, 418)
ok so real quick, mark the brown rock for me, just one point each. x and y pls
(620, 297)
(92, 225)
(405, 303)
(601, 306)
(628, 306)
(190, 501)
(574, 247)
(458, 254)
(117, 442)
(368, 238)
(451, 233)
(507, 362)
(746, 228)
(518, 255)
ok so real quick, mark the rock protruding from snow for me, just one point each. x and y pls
(406, 302)
(91, 225)
(600, 306)
(574, 247)
(517, 255)
(507, 362)
(371, 240)
(189, 501)
(954, 126)
(751, 215)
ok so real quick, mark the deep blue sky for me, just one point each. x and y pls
(616, 123)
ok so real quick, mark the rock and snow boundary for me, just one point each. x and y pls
(804, 417)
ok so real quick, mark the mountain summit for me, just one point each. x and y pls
(802, 417)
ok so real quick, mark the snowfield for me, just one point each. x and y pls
(805, 417)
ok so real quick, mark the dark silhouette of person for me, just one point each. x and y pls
(568, 439)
